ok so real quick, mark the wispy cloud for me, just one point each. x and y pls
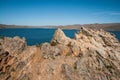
(99, 13)
(113, 13)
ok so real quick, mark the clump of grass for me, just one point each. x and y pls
(13, 69)
(1, 37)
(53, 44)
(109, 66)
(38, 45)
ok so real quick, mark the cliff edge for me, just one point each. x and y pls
(90, 55)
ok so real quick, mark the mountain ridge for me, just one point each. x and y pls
(105, 26)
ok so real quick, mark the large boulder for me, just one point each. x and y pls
(60, 38)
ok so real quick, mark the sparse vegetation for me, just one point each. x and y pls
(1, 37)
(38, 45)
(53, 43)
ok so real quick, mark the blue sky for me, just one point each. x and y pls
(59, 12)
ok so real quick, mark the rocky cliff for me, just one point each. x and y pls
(91, 55)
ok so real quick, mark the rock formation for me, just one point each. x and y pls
(91, 55)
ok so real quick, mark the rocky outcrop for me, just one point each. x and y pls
(13, 45)
(60, 38)
(91, 55)
(15, 56)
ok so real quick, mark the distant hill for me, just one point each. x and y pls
(106, 26)
(12, 26)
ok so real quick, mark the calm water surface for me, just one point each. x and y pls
(38, 35)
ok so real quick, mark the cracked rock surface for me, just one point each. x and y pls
(91, 55)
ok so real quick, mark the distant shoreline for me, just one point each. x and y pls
(105, 26)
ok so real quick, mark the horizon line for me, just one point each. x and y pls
(61, 25)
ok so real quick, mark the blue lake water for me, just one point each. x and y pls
(37, 35)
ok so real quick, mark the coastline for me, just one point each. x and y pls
(106, 26)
